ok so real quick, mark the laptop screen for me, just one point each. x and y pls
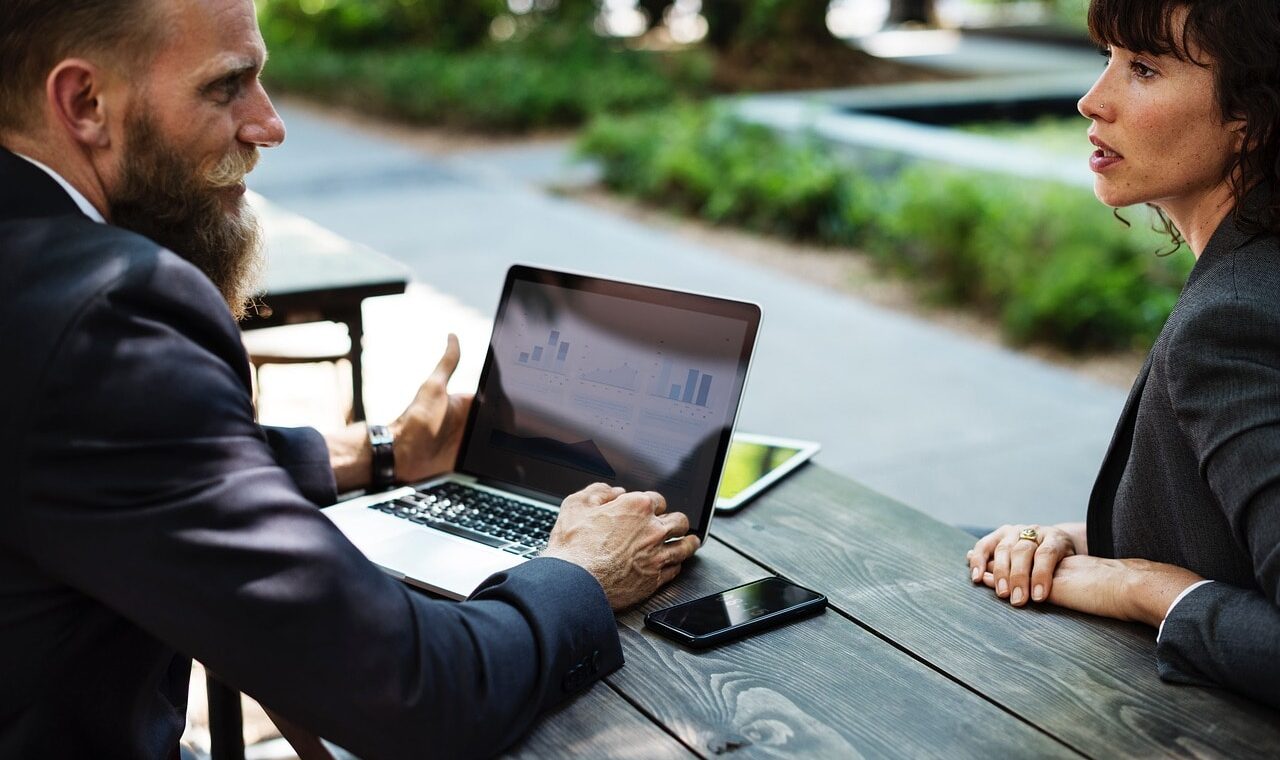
(591, 380)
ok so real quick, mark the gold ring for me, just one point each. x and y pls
(1030, 534)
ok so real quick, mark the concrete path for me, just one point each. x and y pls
(967, 432)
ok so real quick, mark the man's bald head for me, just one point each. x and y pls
(35, 35)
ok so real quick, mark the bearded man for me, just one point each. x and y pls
(148, 518)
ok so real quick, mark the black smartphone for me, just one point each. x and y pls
(737, 612)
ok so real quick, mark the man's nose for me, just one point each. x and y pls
(262, 126)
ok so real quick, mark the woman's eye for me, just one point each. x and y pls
(1142, 70)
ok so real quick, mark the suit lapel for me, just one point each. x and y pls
(26, 192)
(1102, 499)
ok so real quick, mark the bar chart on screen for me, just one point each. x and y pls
(553, 356)
(695, 388)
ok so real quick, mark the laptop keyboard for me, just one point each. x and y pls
(514, 526)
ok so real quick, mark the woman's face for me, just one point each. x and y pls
(1159, 135)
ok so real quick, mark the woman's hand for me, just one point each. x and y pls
(1022, 569)
(1125, 589)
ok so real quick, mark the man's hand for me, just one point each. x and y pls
(428, 433)
(621, 539)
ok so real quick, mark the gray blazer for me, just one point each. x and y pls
(1192, 477)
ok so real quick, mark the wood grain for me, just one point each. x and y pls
(1088, 681)
(599, 723)
(819, 687)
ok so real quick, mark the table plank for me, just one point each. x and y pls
(820, 687)
(599, 724)
(1088, 681)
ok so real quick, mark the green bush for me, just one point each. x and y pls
(359, 24)
(1048, 260)
(722, 169)
(511, 87)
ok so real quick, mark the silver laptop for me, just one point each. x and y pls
(586, 380)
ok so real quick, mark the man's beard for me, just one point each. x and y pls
(173, 202)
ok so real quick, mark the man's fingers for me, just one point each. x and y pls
(668, 573)
(676, 523)
(593, 495)
(449, 362)
(659, 503)
(678, 551)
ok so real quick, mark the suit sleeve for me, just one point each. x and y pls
(303, 453)
(149, 487)
(1224, 383)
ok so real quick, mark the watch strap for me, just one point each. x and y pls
(384, 460)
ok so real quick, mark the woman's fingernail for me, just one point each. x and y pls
(976, 574)
(1017, 595)
(1038, 593)
(1002, 587)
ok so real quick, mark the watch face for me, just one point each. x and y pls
(380, 435)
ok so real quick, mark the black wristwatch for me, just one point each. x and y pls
(384, 458)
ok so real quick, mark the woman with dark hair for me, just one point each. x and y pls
(1183, 528)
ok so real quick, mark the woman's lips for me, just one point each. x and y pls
(1101, 160)
(1104, 157)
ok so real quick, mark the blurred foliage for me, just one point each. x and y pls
(1072, 13)
(552, 70)
(514, 88)
(358, 24)
(1068, 13)
(739, 23)
(1048, 260)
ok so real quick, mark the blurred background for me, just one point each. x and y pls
(902, 184)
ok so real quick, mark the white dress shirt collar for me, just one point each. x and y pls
(76, 195)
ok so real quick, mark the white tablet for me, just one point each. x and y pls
(756, 462)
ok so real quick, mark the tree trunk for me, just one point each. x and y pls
(654, 10)
(910, 11)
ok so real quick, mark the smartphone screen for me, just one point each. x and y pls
(736, 608)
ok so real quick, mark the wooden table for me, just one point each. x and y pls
(911, 660)
(314, 275)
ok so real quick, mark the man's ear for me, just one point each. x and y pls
(74, 94)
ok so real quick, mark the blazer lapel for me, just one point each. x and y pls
(1103, 497)
(26, 192)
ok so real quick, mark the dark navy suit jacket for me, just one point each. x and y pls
(147, 519)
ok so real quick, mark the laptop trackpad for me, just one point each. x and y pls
(445, 564)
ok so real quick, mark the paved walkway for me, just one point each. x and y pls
(967, 432)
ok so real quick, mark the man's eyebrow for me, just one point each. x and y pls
(233, 69)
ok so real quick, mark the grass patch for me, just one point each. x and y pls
(1047, 260)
